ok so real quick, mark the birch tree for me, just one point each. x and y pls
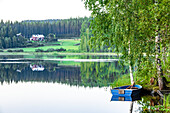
(131, 26)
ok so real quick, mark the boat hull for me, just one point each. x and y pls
(125, 98)
(122, 91)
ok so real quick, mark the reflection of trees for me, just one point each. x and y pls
(99, 73)
(52, 73)
(8, 72)
(11, 56)
(92, 73)
(98, 57)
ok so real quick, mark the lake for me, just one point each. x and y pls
(42, 84)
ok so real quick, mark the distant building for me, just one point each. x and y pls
(37, 67)
(37, 38)
(19, 34)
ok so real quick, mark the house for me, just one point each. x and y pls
(19, 34)
(37, 38)
(37, 67)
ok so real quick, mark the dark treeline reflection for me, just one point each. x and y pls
(11, 56)
(100, 73)
(6, 57)
(52, 73)
(90, 74)
(98, 57)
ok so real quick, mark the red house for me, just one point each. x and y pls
(37, 38)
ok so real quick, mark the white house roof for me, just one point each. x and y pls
(18, 34)
(37, 67)
(38, 36)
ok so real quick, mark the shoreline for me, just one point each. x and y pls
(57, 53)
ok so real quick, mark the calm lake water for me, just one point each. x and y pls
(55, 86)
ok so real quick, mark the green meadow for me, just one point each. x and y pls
(68, 44)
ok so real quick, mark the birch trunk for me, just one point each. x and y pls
(157, 58)
(131, 74)
(131, 107)
(158, 63)
(164, 54)
(130, 68)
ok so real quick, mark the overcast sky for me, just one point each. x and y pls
(41, 9)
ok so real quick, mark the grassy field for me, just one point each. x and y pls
(68, 44)
(64, 43)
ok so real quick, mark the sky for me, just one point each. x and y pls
(41, 9)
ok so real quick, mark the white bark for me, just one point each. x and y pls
(164, 54)
(158, 62)
(130, 67)
(131, 74)
(157, 59)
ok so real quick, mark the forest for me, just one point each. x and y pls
(61, 28)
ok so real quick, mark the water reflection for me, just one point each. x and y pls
(61, 85)
(39, 72)
(53, 86)
(92, 74)
(127, 98)
(100, 73)
(146, 103)
(5, 57)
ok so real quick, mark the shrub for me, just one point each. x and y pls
(9, 50)
(39, 50)
(17, 50)
(40, 44)
(20, 50)
(74, 51)
(50, 50)
(61, 49)
(14, 50)
(29, 44)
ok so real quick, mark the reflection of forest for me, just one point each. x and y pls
(10, 56)
(89, 74)
(52, 73)
(100, 73)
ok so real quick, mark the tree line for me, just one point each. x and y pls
(86, 33)
(64, 28)
(12, 42)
